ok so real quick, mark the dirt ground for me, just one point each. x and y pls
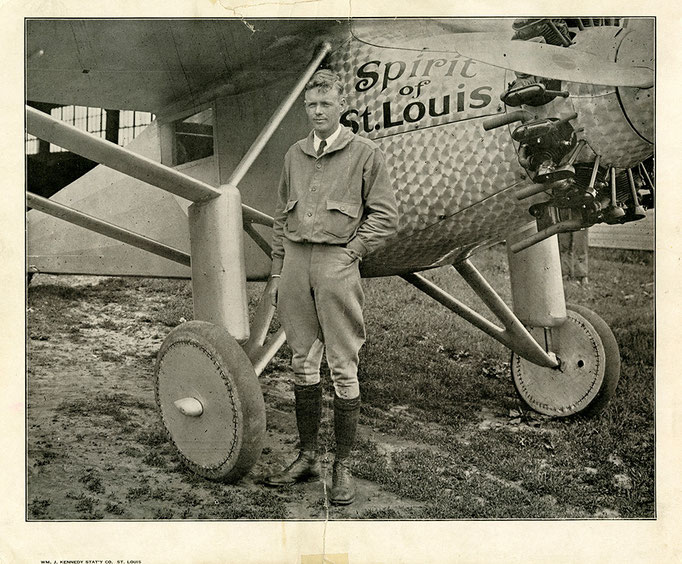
(96, 448)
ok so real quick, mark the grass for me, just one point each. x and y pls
(443, 372)
(235, 503)
(38, 508)
(440, 388)
(86, 507)
(114, 509)
(208, 500)
(141, 492)
(152, 437)
(92, 481)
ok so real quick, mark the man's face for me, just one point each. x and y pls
(324, 110)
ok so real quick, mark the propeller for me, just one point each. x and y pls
(528, 57)
(559, 63)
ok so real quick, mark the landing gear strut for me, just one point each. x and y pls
(565, 359)
(589, 361)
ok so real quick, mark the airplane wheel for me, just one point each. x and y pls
(589, 371)
(210, 401)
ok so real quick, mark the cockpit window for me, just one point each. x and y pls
(194, 137)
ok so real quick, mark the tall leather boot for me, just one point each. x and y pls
(346, 414)
(308, 413)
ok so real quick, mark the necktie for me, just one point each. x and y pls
(321, 148)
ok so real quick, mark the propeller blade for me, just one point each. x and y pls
(537, 59)
(559, 63)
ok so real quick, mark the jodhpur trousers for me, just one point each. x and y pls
(320, 303)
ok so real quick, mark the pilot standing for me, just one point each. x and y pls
(336, 204)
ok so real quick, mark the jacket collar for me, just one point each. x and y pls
(345, 136)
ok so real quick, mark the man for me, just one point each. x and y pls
(574, 250)
(336, 204)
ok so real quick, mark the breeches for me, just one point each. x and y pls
(320, 303)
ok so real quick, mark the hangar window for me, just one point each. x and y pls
(131, 125)
(116, 126)
(92, 120)
(194, 137)
(32, 144)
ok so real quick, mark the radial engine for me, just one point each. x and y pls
(588, 148)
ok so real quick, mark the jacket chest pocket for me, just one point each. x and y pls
(341, 218)
(292, 217)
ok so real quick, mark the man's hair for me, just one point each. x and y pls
(325, 80)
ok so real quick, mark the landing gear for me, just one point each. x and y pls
(210, 401)
(589, 367)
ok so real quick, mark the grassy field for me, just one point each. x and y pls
(443, 434)
(444, 377)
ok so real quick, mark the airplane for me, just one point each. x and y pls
(493, 130)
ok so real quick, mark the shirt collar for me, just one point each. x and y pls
(329, 140)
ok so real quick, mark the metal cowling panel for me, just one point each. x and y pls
(425, 112)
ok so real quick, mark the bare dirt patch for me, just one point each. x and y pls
(96, 448)
(443, 434)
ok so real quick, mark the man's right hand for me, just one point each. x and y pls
(273, 290)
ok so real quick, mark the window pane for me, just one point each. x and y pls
(94, 121)
(131, 124)
(32, 144)
(194, 137)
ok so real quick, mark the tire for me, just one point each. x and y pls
(589, 371)
(612, 359)
(203, 361)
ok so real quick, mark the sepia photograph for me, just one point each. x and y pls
(341, 271)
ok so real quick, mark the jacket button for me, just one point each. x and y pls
(343, 208)
(313, 189)
(309, 214)
(318, 166)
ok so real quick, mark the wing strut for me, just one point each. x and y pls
(216, 218)
(105, 228)
(119, 158)
(124, 160)
(277, 117)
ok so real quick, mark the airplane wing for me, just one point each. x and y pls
(165, 67)
(147, 65)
